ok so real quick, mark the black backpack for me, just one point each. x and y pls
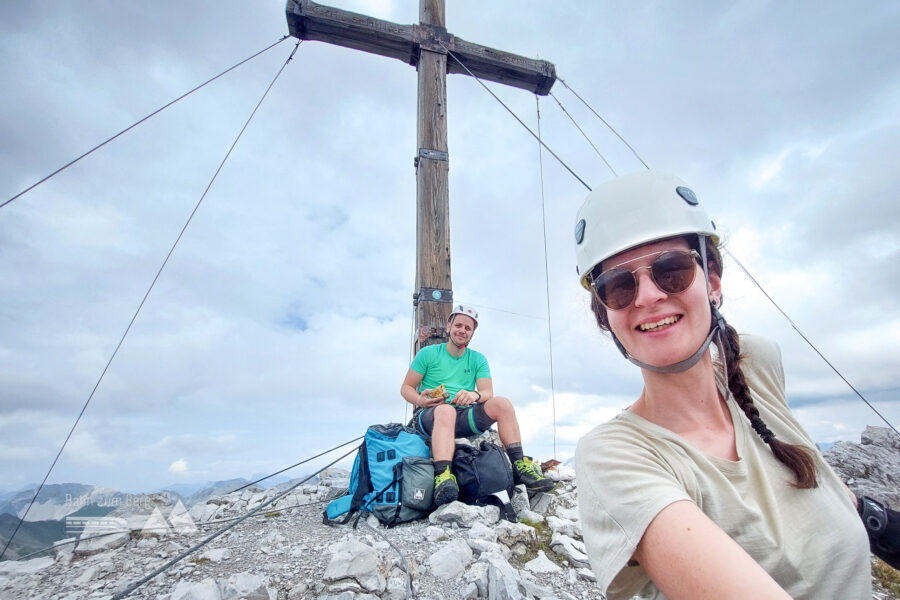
(484, 476)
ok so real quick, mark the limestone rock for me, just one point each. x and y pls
(564, 526)
(871, 467)
(64, 550)
(480, 531)
(434, 534)
(203, 590)
(93, 543)
(355, 560)
(477, 575)
(542, 564)
(540, 502)
(245, 586)
(334, 477)
(23, 567)
(465, 515)
(481, 546)
(572, 549)
(450, 560)
(519, 500)
(561, 473)
(514, 533)
(503, 579)
(216, 554)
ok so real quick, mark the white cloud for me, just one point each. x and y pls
(179, 466)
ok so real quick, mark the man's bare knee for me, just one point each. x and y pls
(444, 416)
(499, 407)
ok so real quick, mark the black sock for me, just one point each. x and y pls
(441, 465)
(515, 452)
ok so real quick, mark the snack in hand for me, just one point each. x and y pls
(438, 392)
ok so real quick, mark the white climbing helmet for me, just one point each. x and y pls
(461, 309)
(632, 210)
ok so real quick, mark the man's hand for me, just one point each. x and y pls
(465, 398)
(426, 401)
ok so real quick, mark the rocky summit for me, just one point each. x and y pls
(872, 467)
(285, 552)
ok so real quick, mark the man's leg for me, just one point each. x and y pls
(501, 410)
(443, 442)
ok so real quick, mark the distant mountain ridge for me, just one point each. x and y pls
(31, 537)
(46, 520)
(60, 499)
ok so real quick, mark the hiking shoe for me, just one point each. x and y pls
(529, 473)
(445, 488)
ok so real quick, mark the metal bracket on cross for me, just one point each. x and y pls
(432, 155)
(427, 294)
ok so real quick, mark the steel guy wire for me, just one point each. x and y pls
(136, 123)
(611, 128)
(509, 312)
(409, 590)
(295, 465)
(807, 340)
(578, 127)
(219, 532)
(144, 299)
(510, 111)
(412, 345)
(547, 267)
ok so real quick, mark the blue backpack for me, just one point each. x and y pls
(392, 477)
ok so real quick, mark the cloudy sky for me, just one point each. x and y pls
(281, 325)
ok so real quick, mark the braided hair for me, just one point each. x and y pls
(797, 458)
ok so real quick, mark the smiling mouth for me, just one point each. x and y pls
(658, 325)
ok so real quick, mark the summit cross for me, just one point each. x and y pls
(425, 46)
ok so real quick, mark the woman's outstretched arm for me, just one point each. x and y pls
(689, 557)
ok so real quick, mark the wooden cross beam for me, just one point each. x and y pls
(424, 46)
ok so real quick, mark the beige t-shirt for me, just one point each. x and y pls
(811, 542)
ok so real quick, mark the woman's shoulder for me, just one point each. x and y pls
(622, 429)
(623, 442)
(759, 349)
(762, 367)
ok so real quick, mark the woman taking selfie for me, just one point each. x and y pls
(706, 486)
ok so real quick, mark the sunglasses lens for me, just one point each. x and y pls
(674, 272)
(616, 288)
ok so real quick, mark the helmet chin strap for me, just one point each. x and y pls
(716, 326)
(682, 365)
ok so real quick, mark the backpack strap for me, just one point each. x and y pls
(363, 483)
(334, 522)
(398, 477)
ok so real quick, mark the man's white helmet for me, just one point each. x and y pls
(461, 309)
(633, 210)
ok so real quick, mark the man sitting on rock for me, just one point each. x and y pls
(450, 385)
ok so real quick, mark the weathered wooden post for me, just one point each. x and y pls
(425, 46)
(434, 285)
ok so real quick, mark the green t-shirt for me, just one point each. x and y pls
(439, 366)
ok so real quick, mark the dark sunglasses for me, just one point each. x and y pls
(672, 271)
